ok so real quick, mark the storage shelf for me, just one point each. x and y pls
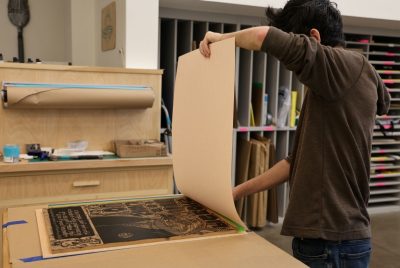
(49, 166)
(381, 192)
(384, 142)
(382, 200)
(388, 117)
(389, 45)
(356, 43)
(388, 54)
(384, 183)
(265, 128)
(385, 167)
(385, 151)
(391, 81)
(387, 133)
(385, 175)
(379, 62)
(388, 71)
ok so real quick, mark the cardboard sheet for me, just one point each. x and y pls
(71, 96)
(203, 129)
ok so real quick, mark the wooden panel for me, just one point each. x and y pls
(4, 258)
(84, 182)
(18, 169)
(56, 127)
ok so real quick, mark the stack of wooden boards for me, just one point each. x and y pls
(254, 157)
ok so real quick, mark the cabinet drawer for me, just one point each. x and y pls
(56, 184)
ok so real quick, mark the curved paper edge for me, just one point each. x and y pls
(203, 129)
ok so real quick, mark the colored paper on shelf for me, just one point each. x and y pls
(265, 109)
(381, 158)
(243, 129)
(293, 109)
(268, 128)
(252, 122)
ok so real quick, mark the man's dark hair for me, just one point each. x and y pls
(300, 16)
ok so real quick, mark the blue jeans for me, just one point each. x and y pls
(319, 253)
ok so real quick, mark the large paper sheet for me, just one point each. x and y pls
(71, 96)
(203, 127)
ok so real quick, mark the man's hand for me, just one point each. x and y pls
(209, 38)
(235, 194)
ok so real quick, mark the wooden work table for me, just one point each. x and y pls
(30, 183)
(21, 245)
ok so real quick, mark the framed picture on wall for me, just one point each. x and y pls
(108, 27)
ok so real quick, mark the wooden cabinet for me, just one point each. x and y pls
(32, 183)
(27, 183)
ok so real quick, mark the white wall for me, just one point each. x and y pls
(46, 35)
(111, 58)
(142, 34)
(378, 9)
(136, 35)
(82, 37)
(69, 30)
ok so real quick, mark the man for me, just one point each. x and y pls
(328, 169)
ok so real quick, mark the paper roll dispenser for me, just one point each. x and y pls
(76, 96)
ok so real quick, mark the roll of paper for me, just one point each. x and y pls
(76, 96)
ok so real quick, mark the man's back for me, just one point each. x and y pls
(330, 159)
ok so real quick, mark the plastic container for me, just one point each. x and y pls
(11, 153)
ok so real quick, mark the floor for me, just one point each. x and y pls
(385, 239)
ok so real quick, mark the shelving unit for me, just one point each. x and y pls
(182, 31)
(383, 53)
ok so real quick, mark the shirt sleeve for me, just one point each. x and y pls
(319, 67)
(383, 102)
(289, 158)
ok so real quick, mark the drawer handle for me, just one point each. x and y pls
(85, 183)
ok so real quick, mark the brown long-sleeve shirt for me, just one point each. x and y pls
(330, 159)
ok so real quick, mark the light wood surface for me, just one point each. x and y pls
(248, 250)
(26, 183)
(55, 128)
(3, 237)
(80, 182)
(39, 181)
(25, 166)
(51, 67)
